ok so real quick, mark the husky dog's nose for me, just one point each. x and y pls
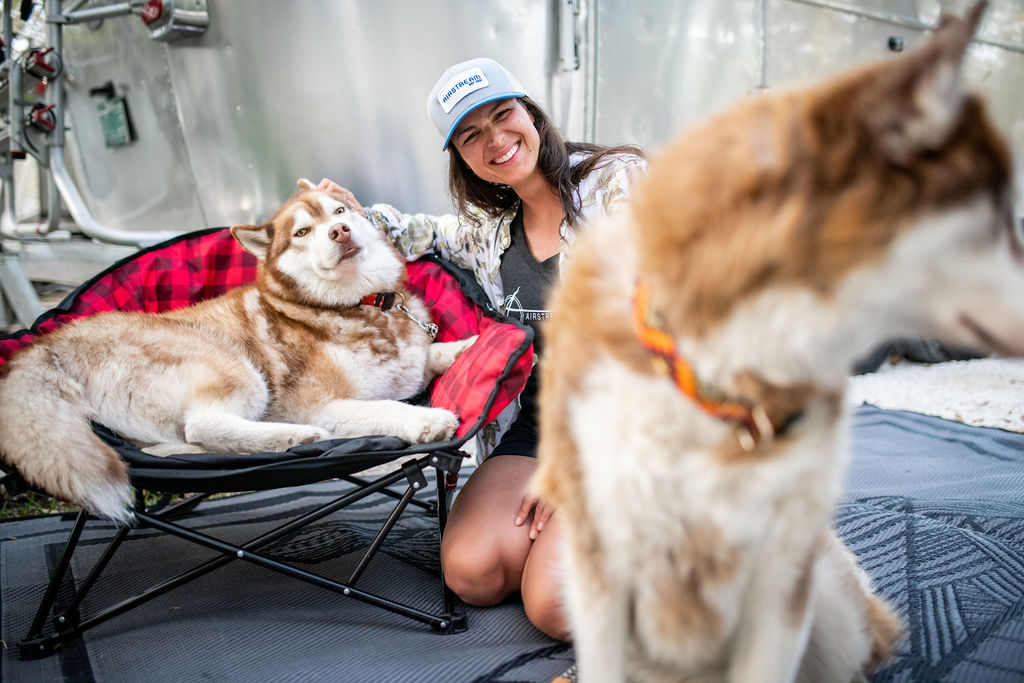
(340, 233)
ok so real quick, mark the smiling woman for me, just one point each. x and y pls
(521, 194)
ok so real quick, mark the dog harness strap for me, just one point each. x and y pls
(755, 424)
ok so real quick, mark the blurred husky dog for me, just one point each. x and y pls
(306, 352)
(693, 435)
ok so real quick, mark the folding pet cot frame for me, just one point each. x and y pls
(200, 265)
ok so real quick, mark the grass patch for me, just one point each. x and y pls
(32, 504)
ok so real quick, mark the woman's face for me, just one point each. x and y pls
(499, 142)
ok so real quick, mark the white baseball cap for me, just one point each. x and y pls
(463, 88)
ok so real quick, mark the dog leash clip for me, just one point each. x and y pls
(429, 328)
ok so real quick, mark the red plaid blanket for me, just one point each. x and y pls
(205, 264)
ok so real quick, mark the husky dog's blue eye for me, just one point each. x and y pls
(302, 232)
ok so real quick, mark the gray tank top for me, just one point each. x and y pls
(526, 281)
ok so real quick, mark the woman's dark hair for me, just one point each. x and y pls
(467, 189)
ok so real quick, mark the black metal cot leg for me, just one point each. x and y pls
(416, 481)
(447, 477)
(436, 622)
(212, 564)
(428, 506)
(28, 648)
(68, 621)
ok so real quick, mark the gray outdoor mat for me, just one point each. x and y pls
(245, 623)
(934, 510)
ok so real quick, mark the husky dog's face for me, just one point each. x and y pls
(323, 250)
(955, 273)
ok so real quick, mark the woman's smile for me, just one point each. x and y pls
(507, 155)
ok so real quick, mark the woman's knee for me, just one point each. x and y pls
(545, 609)
(474, 574)
(482, 552)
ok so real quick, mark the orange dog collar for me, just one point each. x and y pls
(753, 423)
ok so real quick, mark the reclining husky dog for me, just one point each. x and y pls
(304, 353)
(692, 411)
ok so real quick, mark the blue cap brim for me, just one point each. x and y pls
(458, 120)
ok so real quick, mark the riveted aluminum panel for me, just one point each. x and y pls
(659, 65)
(275, 91)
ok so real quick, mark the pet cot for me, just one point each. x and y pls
(204, 264)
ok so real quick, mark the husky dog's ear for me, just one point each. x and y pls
(917, 100)
(305, 184)
(255, 239)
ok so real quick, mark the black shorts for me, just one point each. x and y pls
(521, 437)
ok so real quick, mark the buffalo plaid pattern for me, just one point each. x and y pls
(205, 264)
(182, 271)
(489, 374)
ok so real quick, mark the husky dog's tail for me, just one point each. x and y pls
(43, 412)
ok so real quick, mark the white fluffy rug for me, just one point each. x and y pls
(987, 392)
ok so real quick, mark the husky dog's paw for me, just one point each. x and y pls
(311, 434)
(432, 424)
(441, 355)
(466, 343)
(301, 434)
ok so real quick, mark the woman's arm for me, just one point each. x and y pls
(617, 180)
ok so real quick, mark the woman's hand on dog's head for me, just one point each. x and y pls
(328, 185)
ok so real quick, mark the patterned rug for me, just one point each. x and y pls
(934, 510)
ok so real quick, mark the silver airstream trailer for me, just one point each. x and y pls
(126, 122)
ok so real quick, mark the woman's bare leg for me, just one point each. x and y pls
(542, 583)
(486, 557)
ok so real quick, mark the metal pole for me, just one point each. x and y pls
(96, 13)
(764, 46)
(68, 191)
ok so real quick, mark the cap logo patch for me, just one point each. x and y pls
(460, 85)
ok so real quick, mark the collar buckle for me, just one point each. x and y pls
(757, 429)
